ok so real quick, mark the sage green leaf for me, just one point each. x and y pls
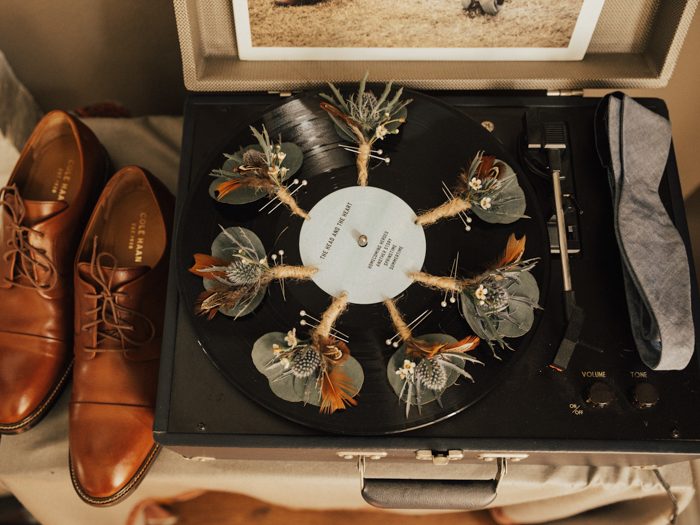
(507, 203)
(475, 320)
(284, 387)
(343, 130)
(263, 353)
(425, 395)
(525, 285)
(518, 321)
(309, 389)
(293, 161)
(281, 382)
(224, 247)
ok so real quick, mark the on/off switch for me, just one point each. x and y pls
(600, 395)
(645, 395)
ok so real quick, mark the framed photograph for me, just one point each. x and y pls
(414, 29)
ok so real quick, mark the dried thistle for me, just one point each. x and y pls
(364, 119)
(320, 363)
(236, 279)
(499, 302)
(428, 364)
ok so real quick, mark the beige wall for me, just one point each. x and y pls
(72, 53)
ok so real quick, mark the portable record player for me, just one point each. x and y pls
(606, 408)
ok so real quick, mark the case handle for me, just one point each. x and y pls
(431, 494)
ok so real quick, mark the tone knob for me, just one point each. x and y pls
(645, 395)
(600, 395)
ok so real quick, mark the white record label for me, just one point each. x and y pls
(364, 241)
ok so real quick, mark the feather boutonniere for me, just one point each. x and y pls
(489, 189)
(258, 170)
(237, 274)
(364, 118)
(424, 367)
(318, 370)
(499, 302)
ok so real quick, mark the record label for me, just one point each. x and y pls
(364, 241)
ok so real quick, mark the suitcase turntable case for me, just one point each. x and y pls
(533, 413)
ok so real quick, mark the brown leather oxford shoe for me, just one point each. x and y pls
(42, 210)
(120, 282)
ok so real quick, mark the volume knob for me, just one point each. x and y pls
(600, 395)
(645, 395)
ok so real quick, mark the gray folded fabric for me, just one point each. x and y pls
(655, 263)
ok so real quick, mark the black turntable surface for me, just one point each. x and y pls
(212, 388)
(434, 145)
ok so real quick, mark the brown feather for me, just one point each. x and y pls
(227, 187)
(210, 301)
(248, 179)
(420, 348)
(467, 344)
(513, 252)
(202, 261)
(335, 391)
(484, 169)
(330, 346)
(354, 126)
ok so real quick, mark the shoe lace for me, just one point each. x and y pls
(25, 259)
(112, 321)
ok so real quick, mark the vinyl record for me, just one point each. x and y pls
(434, 145)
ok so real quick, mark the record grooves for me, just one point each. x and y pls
(434, 145)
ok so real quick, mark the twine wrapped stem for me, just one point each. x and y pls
(438, 282)
(330, 316)
(362, 163)
(284, 196)
(285, 271)
(450, 208)
(396, 318)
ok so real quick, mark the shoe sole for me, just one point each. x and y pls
(38, 414)
(127, 489)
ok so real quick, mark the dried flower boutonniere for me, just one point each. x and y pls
(319, 370)
(364, 119)
(237, 273)
(424, 367)
(258, 170)
(489, 189)
(499, 302)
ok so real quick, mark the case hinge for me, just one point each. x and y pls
(565, 92)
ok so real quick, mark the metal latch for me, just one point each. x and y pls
(565, 92)
(353, 454)
(439, 458)
(513, 457)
